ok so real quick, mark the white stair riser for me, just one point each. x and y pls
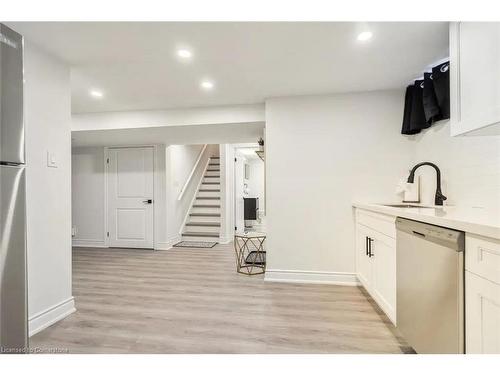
(207, 201)
(209, 194)
(204, 185)
(196, 228)
(204, 239)
(206, 210)
(212, 173)
(209, 180)
(209, 219)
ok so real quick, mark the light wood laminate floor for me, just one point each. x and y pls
(193, 301)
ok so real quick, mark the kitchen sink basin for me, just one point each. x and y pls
(406, 205)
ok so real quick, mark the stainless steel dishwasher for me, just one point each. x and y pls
(430, 286)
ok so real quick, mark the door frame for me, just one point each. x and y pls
(156, 190)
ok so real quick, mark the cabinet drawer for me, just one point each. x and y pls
(482, 257)
(384, 224)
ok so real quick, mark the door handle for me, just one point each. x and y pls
(148, 201)
(366, 245)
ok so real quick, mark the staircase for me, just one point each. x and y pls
(203, 223)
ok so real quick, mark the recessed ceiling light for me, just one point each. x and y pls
(184, 53)
(207, 85)
(364, 36)
(96, 94)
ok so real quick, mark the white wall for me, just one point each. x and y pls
(323, 153)
(48, 190)
(88, 196)
(171, 135)
(174, 117)
(239, 191)
(227, 178)
(470, 167)
(256, 182)
(160, 198)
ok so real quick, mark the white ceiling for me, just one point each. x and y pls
(135, 65)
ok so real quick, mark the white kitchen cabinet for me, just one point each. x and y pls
(482, 315)
(475, 78)
(384, 274)
(363, 262)
(376, 259)
(482, 294)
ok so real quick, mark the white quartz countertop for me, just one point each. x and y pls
(481, 221)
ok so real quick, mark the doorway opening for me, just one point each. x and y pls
(249, 189)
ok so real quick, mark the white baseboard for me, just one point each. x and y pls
(50, 316)
(311, 277)
(162, 246)
(225, 240)
(168, 244)
(88, 243)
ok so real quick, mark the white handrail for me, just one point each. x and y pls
(183, 190)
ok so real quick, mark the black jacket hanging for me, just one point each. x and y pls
(431, 106)
(441, 80)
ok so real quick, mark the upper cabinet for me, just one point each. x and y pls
(475, 78)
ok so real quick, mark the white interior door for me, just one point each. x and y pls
(130, 197)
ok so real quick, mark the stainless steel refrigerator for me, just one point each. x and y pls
(13, 294)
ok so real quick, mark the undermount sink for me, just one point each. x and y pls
(406, 205)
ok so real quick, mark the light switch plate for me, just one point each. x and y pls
(51, 160)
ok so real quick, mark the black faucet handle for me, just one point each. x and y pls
(438, 201)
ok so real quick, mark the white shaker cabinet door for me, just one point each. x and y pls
(383, 251)
(363, 261)
(482, 314)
